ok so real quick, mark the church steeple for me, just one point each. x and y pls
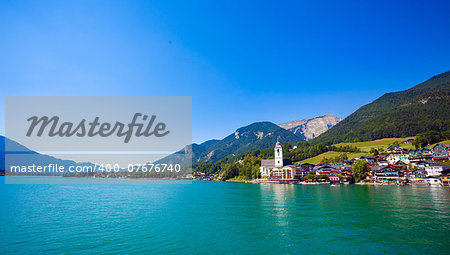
(278, 154)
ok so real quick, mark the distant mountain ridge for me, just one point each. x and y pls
(29, 156)
(421, 108)
(311, 128)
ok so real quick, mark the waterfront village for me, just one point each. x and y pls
(397, 166)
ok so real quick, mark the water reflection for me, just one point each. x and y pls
(439, 197)
(278, 201)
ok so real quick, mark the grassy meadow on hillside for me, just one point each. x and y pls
(381, 143)
(365, 148)
(331, 154)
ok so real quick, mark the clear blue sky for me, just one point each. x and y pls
(242, 61)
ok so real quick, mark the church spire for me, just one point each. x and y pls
(278, 143)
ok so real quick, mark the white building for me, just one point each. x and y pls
(278, 168)
(268, 165)
(395, 157)
(435, 169)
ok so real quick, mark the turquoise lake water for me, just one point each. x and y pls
(224, 218)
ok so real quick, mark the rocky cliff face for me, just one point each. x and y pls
(311, 128)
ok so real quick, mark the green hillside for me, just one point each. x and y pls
(406, 113)
(364, 148)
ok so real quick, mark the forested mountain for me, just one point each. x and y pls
(421, 108)
(259, 135)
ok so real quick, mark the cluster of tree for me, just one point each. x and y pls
(246, 169)
(316, 177)
(375, 152)
(208, 168)
(360, 170)
(430, 137)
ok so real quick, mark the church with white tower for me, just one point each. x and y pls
(275, 167)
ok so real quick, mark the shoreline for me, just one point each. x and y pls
(241, 181)
(330, 184)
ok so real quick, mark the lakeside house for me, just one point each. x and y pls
(388, 173)
(419, 155)
(419, 176)
(435, 169)
(370, 159)
(398, 155)
(440, 151)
